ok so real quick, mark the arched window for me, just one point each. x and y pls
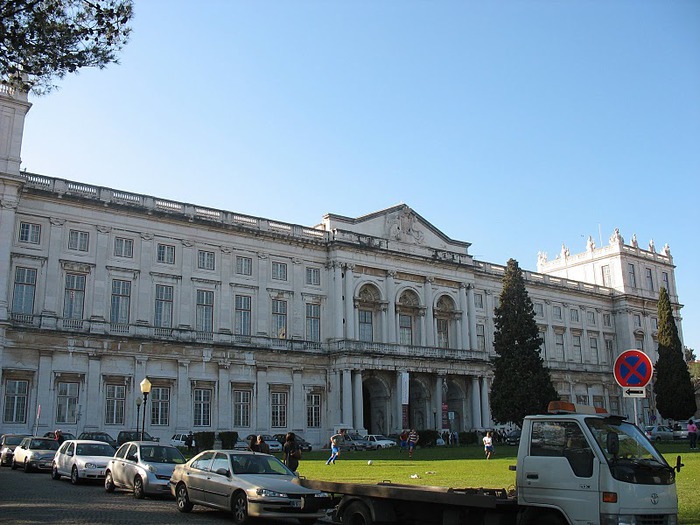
(444, 316)
(408, 309)
(368, 308)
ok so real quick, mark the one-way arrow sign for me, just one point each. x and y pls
(634, 392)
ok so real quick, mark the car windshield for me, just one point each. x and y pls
(13, 440)
(93, 449)
(258, 464)
(161, 454)
(44, 444)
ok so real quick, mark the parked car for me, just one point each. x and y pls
(377, 441)
(133, 435)
(240, 445)
(81, 459)
(35, 453)
(100, 436)
(299, 440)
(354, 442)
(275, 446)
(143, 467)
(66, 435)
(247, 484)
(680, 430)
(659, 433)
(8, 442)
(513, 437)
(180, 440)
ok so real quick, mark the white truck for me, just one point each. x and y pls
(576, 465)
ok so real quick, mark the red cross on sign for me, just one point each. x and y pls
(633, 368)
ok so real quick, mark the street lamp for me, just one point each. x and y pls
(138, 413)
(145, 390)
(435, 417)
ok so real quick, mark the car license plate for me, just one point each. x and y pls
(295, 503)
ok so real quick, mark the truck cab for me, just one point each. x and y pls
(579, 465)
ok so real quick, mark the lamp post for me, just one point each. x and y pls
(145, 390)
(435, 417)
(138, 413)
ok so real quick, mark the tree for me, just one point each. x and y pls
(675, 398)
(689, 354)
(522, 384)
(41, 40)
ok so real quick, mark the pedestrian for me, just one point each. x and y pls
(488, 444)
(692, 434)
(189, 442)
(292, 452)
(58, 436)
(455, 438)
(335, 446)
(262, 446)
(253, 443)
(413, 439)
(404, 440)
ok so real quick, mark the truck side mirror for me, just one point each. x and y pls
(612, 443)
(678, 466)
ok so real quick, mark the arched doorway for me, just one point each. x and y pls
(376, 404)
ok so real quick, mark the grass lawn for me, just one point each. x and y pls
(466, 467)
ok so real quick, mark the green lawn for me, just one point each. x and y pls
(466, 467)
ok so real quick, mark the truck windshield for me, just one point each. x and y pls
(636, 460)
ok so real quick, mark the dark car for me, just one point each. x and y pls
(513, 437)
(8, 442)
(133, 435)
(66, 435)
(300, 441)
(99, 436)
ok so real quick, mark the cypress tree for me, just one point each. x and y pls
(675, 398)
(522, 384)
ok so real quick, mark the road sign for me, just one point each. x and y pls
(634, 392)
(633, 368)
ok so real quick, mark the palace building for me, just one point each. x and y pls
(243, 323)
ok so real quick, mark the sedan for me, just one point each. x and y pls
(659, 433)
(8, 442)
(81, 459)
(35, 453)
(246, 484)
(143, 467)
(377, 441)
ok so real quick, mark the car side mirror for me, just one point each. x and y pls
(223, 472)
(678, 466)
(612, 443)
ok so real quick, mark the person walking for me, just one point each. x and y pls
(292, 452)
(413, 439)
(404, 440)
(692, 434)
(335, 446)
(262, 446)
(488, 444)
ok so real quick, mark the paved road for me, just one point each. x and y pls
(36, 498)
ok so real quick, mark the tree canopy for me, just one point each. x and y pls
(522, 384)
(675, 395)
(41, 40)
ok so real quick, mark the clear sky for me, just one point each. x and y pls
(513, 125)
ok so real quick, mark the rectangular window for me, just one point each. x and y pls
(78, 240)
(123, 247)
(574, 315)
(313, 410)
(313, 276)
(607, 281)
(582, 399)
(366, 327)
(279, 319)
(16, 393)
(556, 312)
(165, 253)
(29, 233)
(74, 297)
(654, 323)
(543, 347)
(163, 317)
(313, 322)
(559, 346)
(443, 334)
(578, 356)
(278, 409)
(121, 300)
(279, 271)
(539, 309)
(599, 401)
(405, 329)
(115, 396)
(631, 275)
(67, 403)
(590, 318)
(160, 406)
(637, 321)
(650, 279)
(243, 316)
(478, 300)
(593, 342)
(639, 344)
(480, 337)
(23, 296)
(202, 407)
(241, 408)
(664, 277)
(205, 311)
(244, 265)
(607, 320)
(205, 260)
(609, 350)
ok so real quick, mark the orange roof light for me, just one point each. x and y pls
(564, 407)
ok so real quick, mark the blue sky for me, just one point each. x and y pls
(515, 126)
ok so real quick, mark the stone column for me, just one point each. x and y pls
(46, 394)
(391, 298)
(226, 323)
(485, 405)
(463, 332)
(437, 407)
(183, 413)
(94, 398)
(476, 402)
(349, 302)
(430, 327)
(298, 401)
(335, 410)
(262, 393)
(347, 397)
(262, 327)
(398, 405)
(338, 300)
(8, 205)
(471, 315)
(225, 410)
(359, 420)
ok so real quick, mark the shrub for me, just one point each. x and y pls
(468, 438)
(204, 440)
(228, 439)
(428, 437)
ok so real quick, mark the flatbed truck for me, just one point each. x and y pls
(576, 465)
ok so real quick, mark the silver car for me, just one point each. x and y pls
(246, 484)
(144, 467)
(8, 442)
(81, 459)
(35, 453)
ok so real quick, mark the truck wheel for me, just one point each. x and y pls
(549, 519)
(356, 513)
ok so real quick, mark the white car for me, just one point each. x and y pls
(35, 453)
(377, 441)
(180, 440)
(81, 459)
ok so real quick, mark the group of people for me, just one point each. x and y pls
(409, 440)
(290, 449)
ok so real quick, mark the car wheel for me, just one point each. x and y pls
(138, 488)
(239, 508)
(27, 467)
(54, 473)
(183, 499)
(74, 476)
(14, 465)
(356, 513)
(109, 482)
(379, 447)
